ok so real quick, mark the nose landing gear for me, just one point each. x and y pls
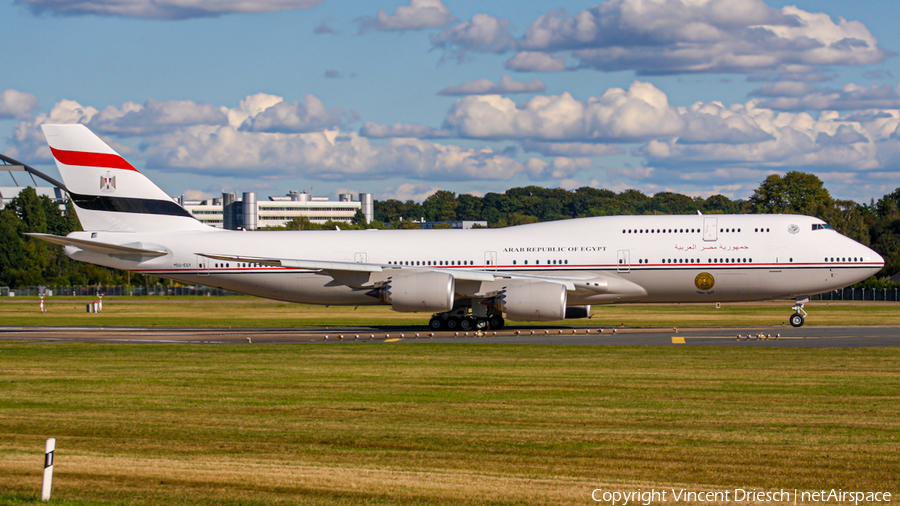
(799, 316)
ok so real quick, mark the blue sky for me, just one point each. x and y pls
(402, 98)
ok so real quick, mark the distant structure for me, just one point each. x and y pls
(56, 193)
(248, 213)
(7, 193)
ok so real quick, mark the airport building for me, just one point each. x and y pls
(249, 213)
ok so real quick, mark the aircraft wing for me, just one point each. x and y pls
(127, 251)
(332, 268)
(366, 275)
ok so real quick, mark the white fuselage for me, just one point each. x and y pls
(747, 257)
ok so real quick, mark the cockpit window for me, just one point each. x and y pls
(821, 226)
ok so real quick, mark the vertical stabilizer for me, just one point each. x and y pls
(109, 194)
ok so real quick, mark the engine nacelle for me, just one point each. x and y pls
(573, 312)
(425, 291)
(540, 301)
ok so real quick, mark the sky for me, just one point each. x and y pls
(405, 98)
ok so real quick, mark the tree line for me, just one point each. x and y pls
(28, 262)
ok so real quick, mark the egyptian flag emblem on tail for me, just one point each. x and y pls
(108, 183)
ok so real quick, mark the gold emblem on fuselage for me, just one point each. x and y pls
(704, 281)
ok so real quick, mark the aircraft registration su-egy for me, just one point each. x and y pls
(468, 278)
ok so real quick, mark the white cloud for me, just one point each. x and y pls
(558, 167)
(408, 191)
(255, 140)
(163, 9)
(16, 104)
(375, 130)
(788, 96)
(571, 148)
(487, 87)
(530, 61)
(199, 195)
(418, 15)
(326, 155)
(27, 142)
(250, 107)
(639, 113)
(797, 140)
(679, 36)
(155, 116)
(714, 123)
(482, 33)
(307, 115)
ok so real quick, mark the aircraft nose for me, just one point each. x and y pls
(875, 260)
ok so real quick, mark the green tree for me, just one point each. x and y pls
(359, 219)
(441, 206)
(301, 223)
(12, 248)
(468, 207)
(796, 192)
(720, 204)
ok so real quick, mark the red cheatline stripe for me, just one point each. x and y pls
(110, 161)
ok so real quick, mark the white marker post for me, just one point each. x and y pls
(48, 469)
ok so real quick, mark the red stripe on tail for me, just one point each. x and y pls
(110, 161)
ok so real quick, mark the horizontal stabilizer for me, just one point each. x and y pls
(115, 250)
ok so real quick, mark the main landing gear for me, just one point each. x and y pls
(461, 319)
(799, 315)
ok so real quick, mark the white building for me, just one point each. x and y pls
(250, 214)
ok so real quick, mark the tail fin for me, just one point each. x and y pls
(108, 192)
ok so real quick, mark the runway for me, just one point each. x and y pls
(782, 337)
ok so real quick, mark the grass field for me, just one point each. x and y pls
(440, 424)
(254, 312)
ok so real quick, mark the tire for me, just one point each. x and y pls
(466, 323)
(496, 322)
(796, 320)
(482, 324)
(452, 323)
(436, 323)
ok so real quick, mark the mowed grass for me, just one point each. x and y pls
(254, 312)
(438, 424)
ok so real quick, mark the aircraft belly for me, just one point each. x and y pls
(287, 286)
(709, 285)
(690, 285)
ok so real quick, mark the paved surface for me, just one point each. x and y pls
(785, 337)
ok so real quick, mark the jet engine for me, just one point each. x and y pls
(541, 301)
(424, 291)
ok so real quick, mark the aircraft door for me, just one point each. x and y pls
(624, 261)
(359, 258)
(490, 260)
(202, 266)
(710, 229)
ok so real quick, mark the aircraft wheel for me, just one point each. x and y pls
(496, 322)
(452, 323)
(435, 323)
(481, 323)
(466, 323)
(797, 320)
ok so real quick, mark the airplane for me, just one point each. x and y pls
(469, 279)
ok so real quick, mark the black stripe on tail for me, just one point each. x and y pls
(129, 205)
